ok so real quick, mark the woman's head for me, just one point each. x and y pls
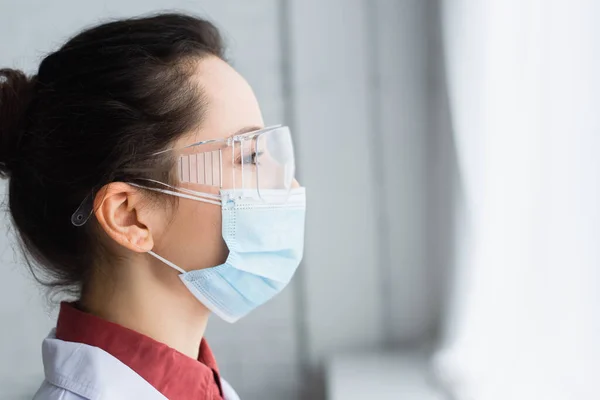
(91, 120)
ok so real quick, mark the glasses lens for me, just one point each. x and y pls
(275, 156)
(257, 163)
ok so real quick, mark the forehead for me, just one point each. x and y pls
(230, 103)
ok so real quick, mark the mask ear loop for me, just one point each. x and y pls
(191, 195)
(182, 192)
(164, 260)
(85, 210)
(169, 263)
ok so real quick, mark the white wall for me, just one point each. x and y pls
(351, 78)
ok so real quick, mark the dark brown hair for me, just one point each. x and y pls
(95, 111)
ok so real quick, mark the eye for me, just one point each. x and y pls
(251, 158)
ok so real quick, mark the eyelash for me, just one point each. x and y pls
(249, 159)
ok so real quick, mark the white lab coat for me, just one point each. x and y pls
(76, 371)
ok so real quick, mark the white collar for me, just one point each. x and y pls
(92, 373)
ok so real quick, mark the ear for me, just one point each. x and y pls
(118, 211)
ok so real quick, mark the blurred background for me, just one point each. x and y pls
(450, 151)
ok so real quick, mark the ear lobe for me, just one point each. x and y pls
(117, 208)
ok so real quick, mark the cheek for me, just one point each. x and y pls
(194, 236)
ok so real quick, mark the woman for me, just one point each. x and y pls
(142, 179)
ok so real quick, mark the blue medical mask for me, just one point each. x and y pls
(265, 238)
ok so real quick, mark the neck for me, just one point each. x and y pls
(149, 299)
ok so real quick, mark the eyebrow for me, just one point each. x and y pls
(247, 129)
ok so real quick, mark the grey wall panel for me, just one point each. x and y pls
(331, 90)
(443, 180)
(399, 35)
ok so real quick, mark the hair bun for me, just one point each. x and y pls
(15, 95)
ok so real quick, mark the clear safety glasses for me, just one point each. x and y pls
(258, 164)
(253, 163)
